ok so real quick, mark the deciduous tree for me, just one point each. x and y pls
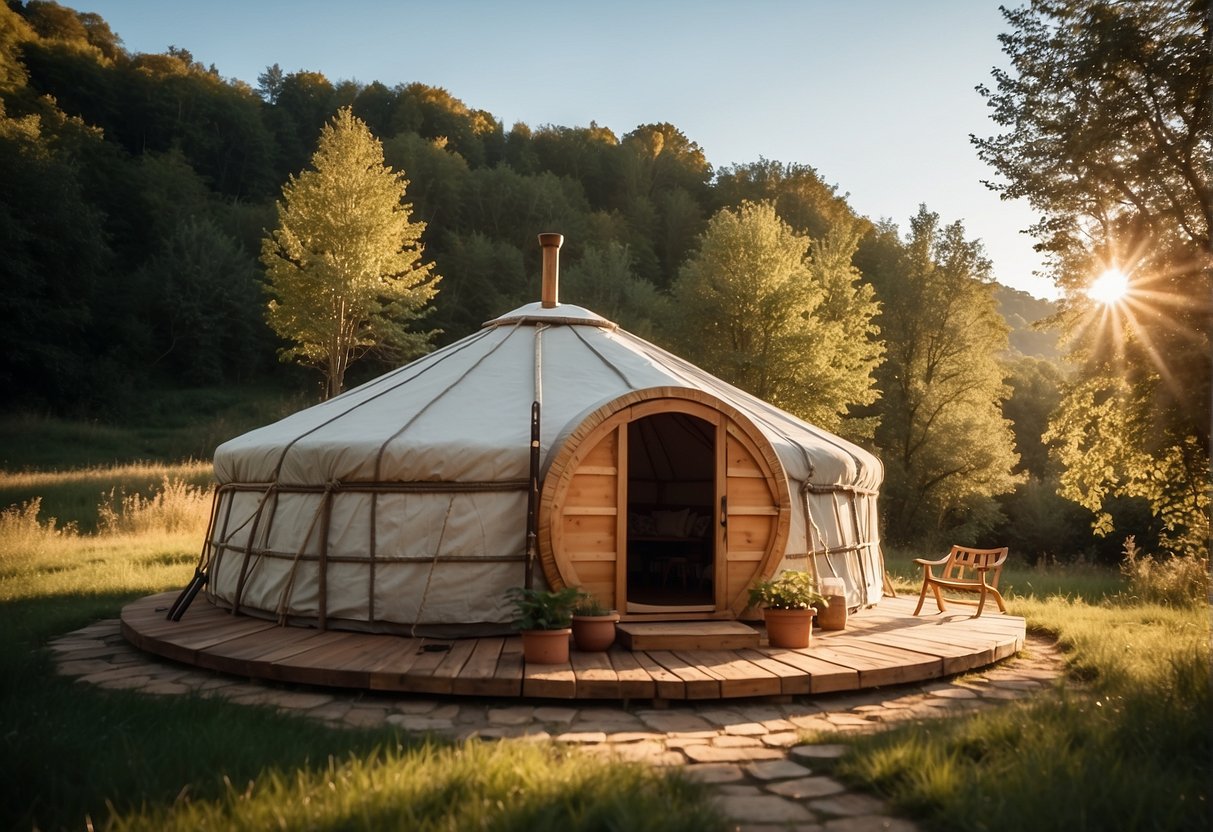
(757, 310)
(1107, 112)
(946, 447)
(344, 266)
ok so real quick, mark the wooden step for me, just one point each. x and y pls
(687, 635)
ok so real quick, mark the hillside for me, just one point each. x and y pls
(1022, 312)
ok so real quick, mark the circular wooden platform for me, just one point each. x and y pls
(885, 645)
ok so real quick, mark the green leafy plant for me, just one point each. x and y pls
(587, 604)
(544, 609)
(789, 591)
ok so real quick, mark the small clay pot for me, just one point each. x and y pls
(594, 633)
(791, 629)
(546, 646)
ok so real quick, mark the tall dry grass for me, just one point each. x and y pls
(1173, 580)
(142, 540)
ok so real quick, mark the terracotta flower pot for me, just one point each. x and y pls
(833, 617)
(789, 628)
(594, 633)
(546, 646)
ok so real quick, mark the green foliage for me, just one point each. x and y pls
(184, 762)
(603, 280)
(1129, 749)
(758, 311)
(946, 447)
(544, 609)
(588, 605)
(789, 590)
(1106, 113)
(1101, 436)
(344, 265)
(1182, 582)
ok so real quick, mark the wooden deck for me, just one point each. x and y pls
(882, 646)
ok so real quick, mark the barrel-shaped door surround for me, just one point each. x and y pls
(583, 505)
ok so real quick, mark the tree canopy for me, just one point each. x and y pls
(762, 313)
(344, 266)
(946, 446)
(1107, 110)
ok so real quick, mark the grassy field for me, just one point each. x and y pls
(74, 754)
(1124, 745)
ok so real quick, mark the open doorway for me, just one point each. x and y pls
(671, 507)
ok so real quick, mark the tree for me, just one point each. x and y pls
(269, 83)
(758, 311)
(946, 447)
(344, 265)
(1107, 110)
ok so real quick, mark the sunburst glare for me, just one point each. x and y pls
(1110, 287)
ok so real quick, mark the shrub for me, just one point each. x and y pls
(176, 507)
(23, 534)
(1177, 581)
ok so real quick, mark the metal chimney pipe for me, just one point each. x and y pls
(550, 291)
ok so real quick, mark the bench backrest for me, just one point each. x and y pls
(963, 562)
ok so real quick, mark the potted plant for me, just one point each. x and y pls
(788, 603)
(593, 624)
(544, 617)
(832, 613)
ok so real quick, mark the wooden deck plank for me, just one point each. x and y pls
(888, 665)
(479, 675)
(698, 684)
(668, 685)
(792, 681)
(434, 671)
(317, 666)
(596, 678)
(738, 676)
(389, 672)
(510, 664)
(634, 681)
(824, 676)
(880, 646)
(555, 681)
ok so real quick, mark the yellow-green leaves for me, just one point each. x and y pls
(344, 265)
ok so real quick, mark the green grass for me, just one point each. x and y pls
(173, 425)
(1124, 744)
(71, 753)
(1019, 579)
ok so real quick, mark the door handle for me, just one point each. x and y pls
(724, 512)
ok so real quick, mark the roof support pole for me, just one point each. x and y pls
(532, 501)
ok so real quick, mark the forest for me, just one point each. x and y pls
(138, 190)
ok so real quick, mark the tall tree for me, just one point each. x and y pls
(946, 447)
(1108, 116)
(758, 311)
(344, 265)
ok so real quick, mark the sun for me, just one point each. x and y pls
(1109, 288)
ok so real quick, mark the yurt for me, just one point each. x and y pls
(549, 447)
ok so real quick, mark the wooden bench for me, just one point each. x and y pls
(964, 570)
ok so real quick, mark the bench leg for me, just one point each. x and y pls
(998, 597)
(922, 596)
(981, 604)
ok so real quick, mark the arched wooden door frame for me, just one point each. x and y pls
(596, 452)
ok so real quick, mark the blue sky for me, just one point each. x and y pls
(877, 95)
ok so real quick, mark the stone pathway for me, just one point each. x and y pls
(746, 749)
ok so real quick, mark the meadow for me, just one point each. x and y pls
(1124, 743)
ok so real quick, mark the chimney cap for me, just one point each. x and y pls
(549, 293)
